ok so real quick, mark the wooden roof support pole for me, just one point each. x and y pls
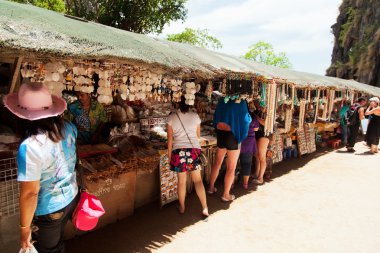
(16, 73)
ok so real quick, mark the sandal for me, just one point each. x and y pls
(232, 198)
(257, 182)
(205, 214)
(213, 191)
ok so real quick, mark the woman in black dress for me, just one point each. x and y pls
(373, 130)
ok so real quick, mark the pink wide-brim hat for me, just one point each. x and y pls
(34, 101)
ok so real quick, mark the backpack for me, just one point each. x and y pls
(352, 115)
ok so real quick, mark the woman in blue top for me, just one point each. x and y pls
(231, 121)
(46, 167)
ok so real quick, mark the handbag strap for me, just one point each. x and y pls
(184, 129)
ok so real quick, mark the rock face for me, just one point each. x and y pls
(356, 53)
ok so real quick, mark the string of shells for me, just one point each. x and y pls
(53, 77)
(176, 88)
(271, 110)
(302, 113)
(190, 93)
(131, 83)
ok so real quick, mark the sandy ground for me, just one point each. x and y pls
(324, 202)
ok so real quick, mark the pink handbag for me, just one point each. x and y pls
(87, 212)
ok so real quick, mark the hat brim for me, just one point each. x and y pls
(58, 107)
(84, 222)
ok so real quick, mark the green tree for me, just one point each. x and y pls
(140, 16)
(196, 37)
(264, 52)
(54, 5)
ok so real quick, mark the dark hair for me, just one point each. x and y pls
(53, 127)
(184, 108)
(361, 99)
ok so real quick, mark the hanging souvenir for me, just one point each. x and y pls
(301, 118)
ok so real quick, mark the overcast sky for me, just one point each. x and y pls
(300, 28)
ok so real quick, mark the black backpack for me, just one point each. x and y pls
(352, 116)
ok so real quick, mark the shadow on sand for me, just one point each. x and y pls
(151, 228)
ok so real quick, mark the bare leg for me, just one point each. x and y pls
(200, 190)
(257, 164)
(245, 180)
(220, 154)
(182, 191)
(262, 145)
(232, 158)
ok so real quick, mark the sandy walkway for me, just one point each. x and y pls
(325, 202)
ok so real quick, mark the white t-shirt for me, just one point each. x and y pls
(190, 121)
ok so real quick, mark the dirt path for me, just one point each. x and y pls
(324, 202)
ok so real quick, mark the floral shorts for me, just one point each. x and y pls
(185, 159)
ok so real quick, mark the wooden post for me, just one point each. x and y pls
(16, 73)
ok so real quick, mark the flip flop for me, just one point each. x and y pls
(232, 198)
(257, 182)
(204, 216)
(213, 191)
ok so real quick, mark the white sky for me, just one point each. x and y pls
(300, 28)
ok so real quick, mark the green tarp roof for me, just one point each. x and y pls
(26, 29)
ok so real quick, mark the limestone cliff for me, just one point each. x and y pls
(356, 53)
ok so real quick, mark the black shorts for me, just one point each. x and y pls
(226, 139)
(260, 134)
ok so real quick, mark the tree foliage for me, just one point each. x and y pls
(264, 52)
(140, 16)
(198, 37)
(54, 5)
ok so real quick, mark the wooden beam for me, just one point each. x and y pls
(16, 74)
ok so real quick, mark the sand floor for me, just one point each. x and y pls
(328, 201)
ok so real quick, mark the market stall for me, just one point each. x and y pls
(136, 79)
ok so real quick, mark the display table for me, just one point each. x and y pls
(325, 126)
(93, 150)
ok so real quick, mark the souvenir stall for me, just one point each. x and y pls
(296, 117)
(136, 78)
(123, 171)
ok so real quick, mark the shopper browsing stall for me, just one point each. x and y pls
(343, 121)
(373, 130)
(248, 149)
(262, 141)
(89, 117)
(231, 121)
(46, 167)
(354, 120)
(183, 131)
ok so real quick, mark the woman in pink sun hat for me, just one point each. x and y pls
(46, 167)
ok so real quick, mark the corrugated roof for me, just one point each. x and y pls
(29, 29)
